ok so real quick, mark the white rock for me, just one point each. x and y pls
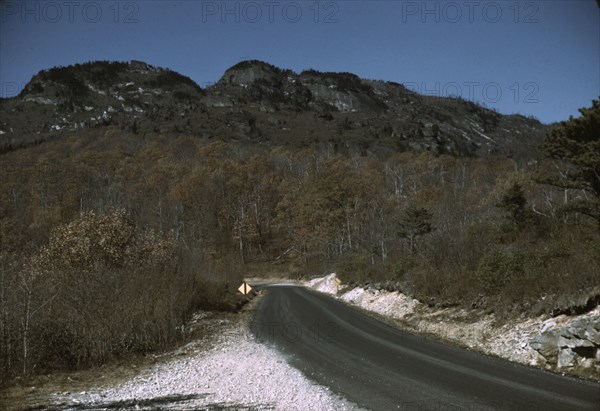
(325, 284)
(566, 358)
(547, 325)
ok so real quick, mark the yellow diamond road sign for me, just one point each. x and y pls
(245, 288)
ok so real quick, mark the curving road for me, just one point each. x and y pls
(385, 368)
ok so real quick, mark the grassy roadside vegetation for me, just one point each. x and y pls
(112, 238)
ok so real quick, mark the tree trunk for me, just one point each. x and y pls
(241, 235)
(383, 251)
(25, 326)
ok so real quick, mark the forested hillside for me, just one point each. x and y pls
(114, 233)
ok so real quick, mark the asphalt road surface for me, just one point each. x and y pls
(381, 367)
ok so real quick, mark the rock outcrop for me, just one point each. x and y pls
(577, 344)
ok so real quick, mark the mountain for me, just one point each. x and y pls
(257, 102)
(270, 88)
(64, 99)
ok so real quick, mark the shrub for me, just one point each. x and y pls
(357, 268)
(496, 269)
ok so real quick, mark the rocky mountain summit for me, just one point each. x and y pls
(270, 89)
(87, 95)
(259, 102)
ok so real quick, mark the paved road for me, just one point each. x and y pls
(384, 368)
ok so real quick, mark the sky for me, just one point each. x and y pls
(536, 58)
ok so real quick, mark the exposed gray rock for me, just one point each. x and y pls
(564, 342)
(548, 324)
(340, 100)
(576, 344)
(566, 358)
(547, 345)
(592, 334)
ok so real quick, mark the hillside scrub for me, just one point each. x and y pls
(111, 238)
(102, 288)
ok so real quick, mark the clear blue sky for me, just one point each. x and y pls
(537, 58)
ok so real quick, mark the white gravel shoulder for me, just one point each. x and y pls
(463, 327)
(392, 304)
(238, 373)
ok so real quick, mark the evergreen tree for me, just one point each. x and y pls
(414, 222)
(514, 202)
(576, 144)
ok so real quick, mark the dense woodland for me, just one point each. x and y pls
(111, 237)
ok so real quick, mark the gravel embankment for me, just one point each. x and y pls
(234, 372)
(238, 373)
